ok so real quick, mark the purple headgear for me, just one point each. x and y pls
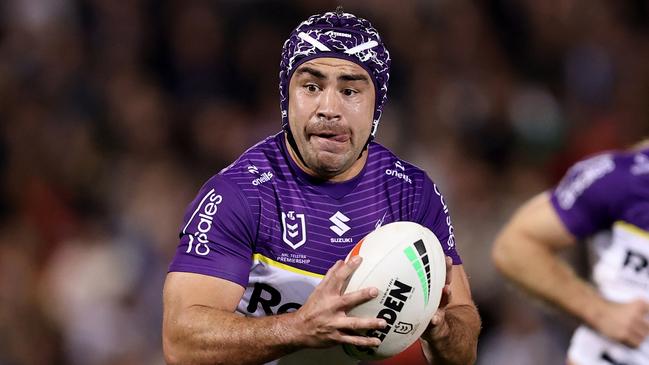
(337, 35)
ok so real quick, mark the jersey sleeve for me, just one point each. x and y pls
(217, 234)
(586, 197)
(434, 214)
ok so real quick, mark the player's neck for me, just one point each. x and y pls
(346, 175)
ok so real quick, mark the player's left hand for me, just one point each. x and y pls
(438, 327)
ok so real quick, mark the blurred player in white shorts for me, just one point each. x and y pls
(607, 196)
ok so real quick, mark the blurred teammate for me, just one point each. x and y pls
(609, 194)
(258, 274)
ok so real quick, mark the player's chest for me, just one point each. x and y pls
(627, 251)
(313, 234)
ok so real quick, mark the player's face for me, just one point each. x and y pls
(331, 105)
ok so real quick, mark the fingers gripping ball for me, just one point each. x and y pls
(405, 261)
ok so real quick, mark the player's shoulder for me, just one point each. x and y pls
(616, 165)
(638, 162)
(391, 167)
(591, 168)
(257, 166)
(610, 175)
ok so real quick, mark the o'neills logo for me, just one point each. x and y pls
(398, 174)
(206, 210)
(266, 176)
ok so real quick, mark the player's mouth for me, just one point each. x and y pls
(335, 137)
(330, 141)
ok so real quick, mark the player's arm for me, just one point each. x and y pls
(452, 336)
(200, 326)
(207, 280)
(526, 252)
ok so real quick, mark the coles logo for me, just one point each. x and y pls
(451, 231)
(205, 212)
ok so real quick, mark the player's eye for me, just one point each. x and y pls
(311, 88)
(349, 92)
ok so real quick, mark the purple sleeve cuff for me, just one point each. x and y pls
(216, 236)
(586, 198)
(240, 278)
(571, 220)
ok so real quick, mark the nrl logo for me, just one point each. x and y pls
(294, 229)
(403, 328)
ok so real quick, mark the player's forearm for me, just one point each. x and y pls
(539, 270)
(459, 342)
(203, 335)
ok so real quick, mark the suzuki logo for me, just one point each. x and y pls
(339, 226)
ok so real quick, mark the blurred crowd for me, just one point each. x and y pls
(113, 113)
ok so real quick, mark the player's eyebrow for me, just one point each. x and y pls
(320, 76)
(353, 77)
(312, 71)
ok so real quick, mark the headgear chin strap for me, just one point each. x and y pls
(337, 35)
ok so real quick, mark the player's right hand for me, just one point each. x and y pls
(626, 323)
(323, 321)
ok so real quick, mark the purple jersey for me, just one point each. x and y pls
(604, 189)
(266, 225)
(609, 194)
(263, 204)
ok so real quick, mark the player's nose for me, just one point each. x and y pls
(329, 106)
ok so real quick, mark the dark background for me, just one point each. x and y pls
(113, 114)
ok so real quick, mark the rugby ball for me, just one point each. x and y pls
(405, 261)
